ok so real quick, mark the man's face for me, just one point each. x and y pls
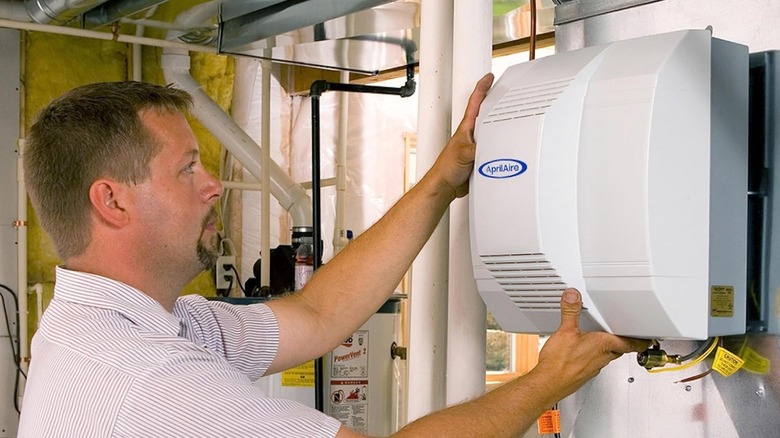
(176, 203)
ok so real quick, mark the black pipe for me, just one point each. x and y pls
(321, 86)
(316, 184)
(317, 232)
(315, 91)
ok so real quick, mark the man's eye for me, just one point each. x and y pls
(190, 167)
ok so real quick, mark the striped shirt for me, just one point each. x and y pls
(108, 360)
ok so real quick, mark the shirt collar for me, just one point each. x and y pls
(97, 291)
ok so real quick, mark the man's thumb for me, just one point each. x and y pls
(571, 305)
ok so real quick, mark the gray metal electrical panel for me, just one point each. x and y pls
(764, 200)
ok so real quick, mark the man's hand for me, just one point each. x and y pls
(575, 357)
(456, 160)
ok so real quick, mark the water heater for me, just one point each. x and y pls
(620, 170)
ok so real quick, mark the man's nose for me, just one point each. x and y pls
(212, 189)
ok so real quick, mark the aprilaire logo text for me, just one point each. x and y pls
(502, 168)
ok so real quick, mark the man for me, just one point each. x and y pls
(114, 175)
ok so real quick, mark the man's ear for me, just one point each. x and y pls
(108, 201)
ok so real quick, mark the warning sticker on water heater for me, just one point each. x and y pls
(349, 382)
(721, 301)
(302, 375)
(349, 403)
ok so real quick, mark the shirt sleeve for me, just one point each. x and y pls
(246, 335)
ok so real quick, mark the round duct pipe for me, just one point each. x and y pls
(58, 11)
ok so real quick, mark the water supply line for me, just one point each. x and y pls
(315, 92)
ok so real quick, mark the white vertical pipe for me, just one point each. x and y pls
(246, 78)
(466, 339)
(21, 257)
(339, 234)
(265, 181)
(426, 390)
(137, 73)
(37, 289)
(137, 53)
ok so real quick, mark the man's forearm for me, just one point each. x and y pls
(506, 411)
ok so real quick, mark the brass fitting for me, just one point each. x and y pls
(654, 357)
(397, 351)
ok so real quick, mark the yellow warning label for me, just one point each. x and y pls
(726, 362)
(721, 301)
(549, 422)
(754, 362)
(302, 375)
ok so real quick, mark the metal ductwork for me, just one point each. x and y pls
(376, 36)
(380, 36)
(58, 11)
(246, 22)
(114, 10)
(361, 36)
(568, 11)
